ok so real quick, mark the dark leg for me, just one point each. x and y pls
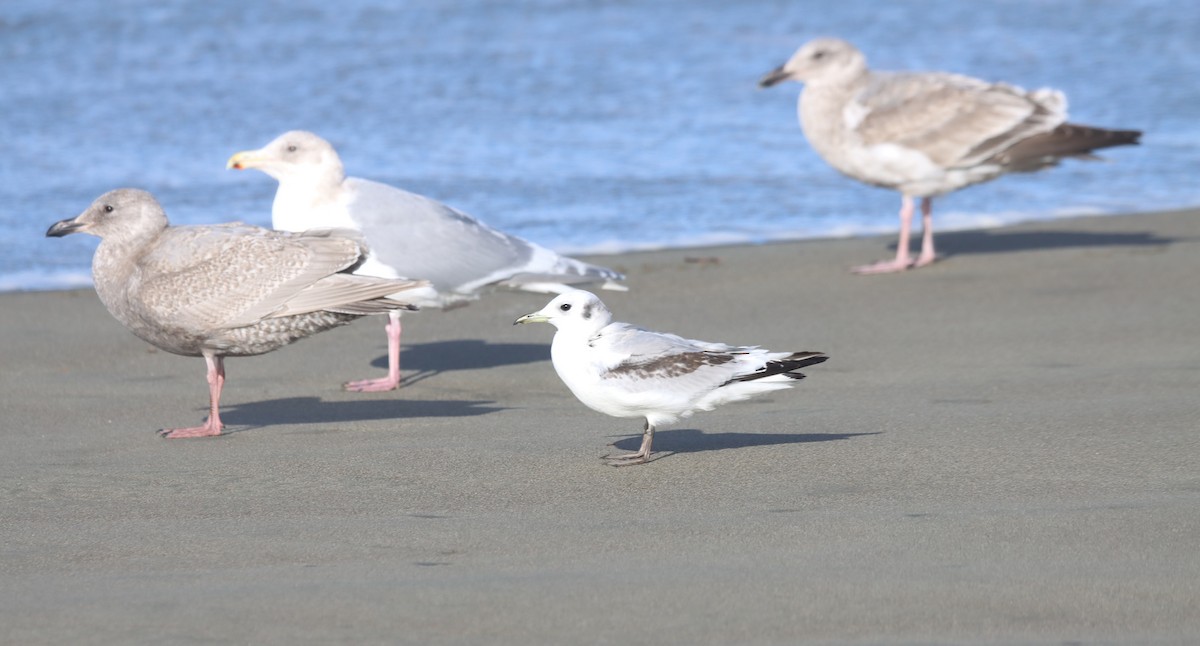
(642, 455)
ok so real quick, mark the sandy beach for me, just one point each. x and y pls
(1002, 448)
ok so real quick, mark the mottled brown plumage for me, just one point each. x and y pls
(223, 290)
(925, 134)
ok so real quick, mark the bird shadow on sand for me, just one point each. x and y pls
(430, 359)
(689, 440)
(953, 243)
(312, 410)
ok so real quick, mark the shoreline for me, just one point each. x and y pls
(1002, 448)
(886, 228)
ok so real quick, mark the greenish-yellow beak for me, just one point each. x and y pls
(535, 317)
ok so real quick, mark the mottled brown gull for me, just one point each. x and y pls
(928, 133)
(625, 371)
(224, 290)
(408, 234)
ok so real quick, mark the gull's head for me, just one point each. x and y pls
(124, 214)
(575, 310)
(297, 154)
(820, 62)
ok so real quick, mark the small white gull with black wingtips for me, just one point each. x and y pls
(925, 134)
(626, 371)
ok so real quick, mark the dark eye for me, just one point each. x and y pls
(818, 55)
(566, 307)
(108, 208)
(292, 148)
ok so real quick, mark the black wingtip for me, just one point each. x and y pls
(802, 360)
(785, 366)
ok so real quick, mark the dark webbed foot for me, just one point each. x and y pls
(641, 457)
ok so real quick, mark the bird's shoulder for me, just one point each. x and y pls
(638, 353)
(373, 202)
(247, 249)
(234, 274)
(947, 117)
(420, 236)
(179, 248)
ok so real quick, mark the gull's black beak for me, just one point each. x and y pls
(64, 227)
(774, 76)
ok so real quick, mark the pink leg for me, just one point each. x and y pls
(928, 255)
(903, 260)
(392, 380)
(213, 425)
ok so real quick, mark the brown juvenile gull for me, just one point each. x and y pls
(928, 133)
(625, 371)
(408, 235)
(223, 290)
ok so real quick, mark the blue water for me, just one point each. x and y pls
(598, 126)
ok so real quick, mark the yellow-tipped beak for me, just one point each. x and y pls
(536, 317)
(243, 160)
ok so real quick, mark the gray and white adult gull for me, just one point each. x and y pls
(409, 235)
(928, 133)
(223, 290)
(626, 371)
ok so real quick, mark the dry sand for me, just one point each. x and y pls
(1004, 447)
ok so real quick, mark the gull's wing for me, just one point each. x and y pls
(953, 120)
(226, 276)
(423, 238)
(634, 355)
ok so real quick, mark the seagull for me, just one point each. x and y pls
(408, 235)
(925, 134)
(223, 290)
(626, 371)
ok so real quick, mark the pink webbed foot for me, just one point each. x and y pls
(884, 267)
(212, 426)
(207, 430)
(392, 380)
(903, 261)
(925, 260)
(382, 384)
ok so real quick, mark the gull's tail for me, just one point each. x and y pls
(785, 366)
(1066, 140)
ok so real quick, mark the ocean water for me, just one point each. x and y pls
(584, 126)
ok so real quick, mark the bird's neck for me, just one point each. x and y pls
(113, 267)
(305, 202)
(574, 337)
(821, 109)
(567, 352)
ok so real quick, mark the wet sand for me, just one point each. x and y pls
(1004, 447)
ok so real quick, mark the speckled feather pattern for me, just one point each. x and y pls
(275, 333)
(928, 133)
(231, 289)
